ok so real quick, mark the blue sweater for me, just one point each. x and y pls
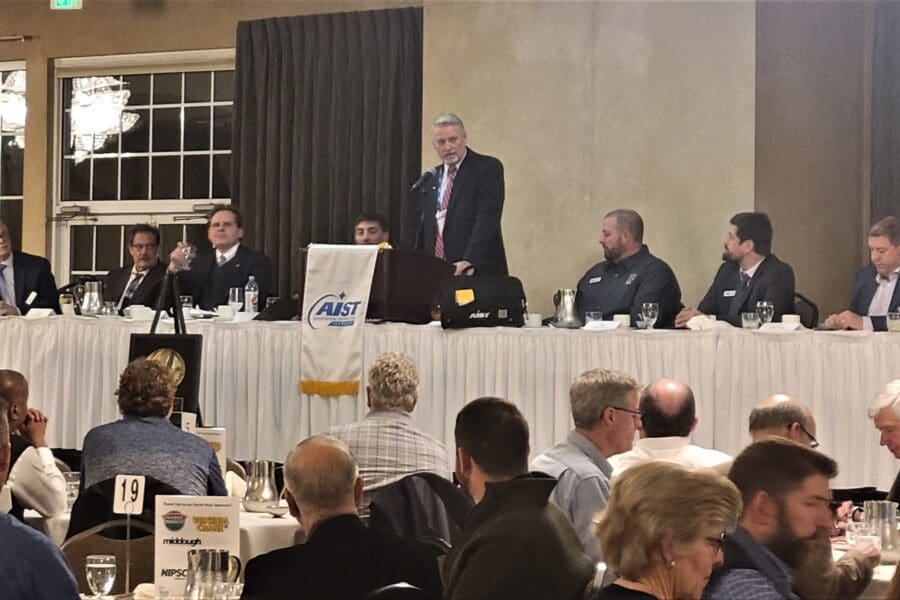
(30, 565)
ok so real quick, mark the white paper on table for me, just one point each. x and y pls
(39, 313)
(779, 327)
(601, 325)
(702, 322)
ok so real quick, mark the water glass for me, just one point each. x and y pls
(893, 321)
(67, 304)
(109, 309)
(650, 313)
(73, 483)
(592, 317)
(235, 298)
(765, 310)
(750, 320)
(100, 572)
(186, 302)
(271, 300)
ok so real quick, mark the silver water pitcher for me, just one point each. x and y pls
(881, 516)
(89, 298)
(261, 489)
(566, 313)
(207, 568)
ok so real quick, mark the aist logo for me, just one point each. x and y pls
(331, 310)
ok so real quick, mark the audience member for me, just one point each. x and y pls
(34, 479)
(667, 421)
(751, 273)
(818, 576)
(516, 543)
(141, 282)
(372, 228)
(229, 265)
(663, 529)
(884, 410)
(31, 566)
(605, 410)
(145, 442)
(629, 276)
(386, 445)
(26, 281)
(875, 290)
(341, 557)
(784, 487)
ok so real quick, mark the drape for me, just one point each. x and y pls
(327, 124)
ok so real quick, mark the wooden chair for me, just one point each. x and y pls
(92, 541)
(236, 468)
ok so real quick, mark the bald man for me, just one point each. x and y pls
(668, 417)
(341, 558)
(785, 417)
(34, 480)
(818, 576)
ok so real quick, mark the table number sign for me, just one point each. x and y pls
(129, 495)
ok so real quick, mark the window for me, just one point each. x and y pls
(139, 138)
(12, 153)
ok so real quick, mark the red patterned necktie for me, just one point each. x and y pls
(445, 202)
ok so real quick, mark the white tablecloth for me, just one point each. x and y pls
(260, 532)
(251, 371)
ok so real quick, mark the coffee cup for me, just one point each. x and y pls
(138, 312)
(790, 319)
(623, 320)
(225, 312)
(533, 320)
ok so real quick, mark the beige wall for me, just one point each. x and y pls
(593, 106)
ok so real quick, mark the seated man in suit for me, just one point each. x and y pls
(516, 542)
(459, 216)
(751, 273)
(230, 264)
(341, 557)
(26, 281)
(630, 275)
(141, 282)
(372, 228)
(875, 289)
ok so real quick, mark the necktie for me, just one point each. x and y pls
(445, 202)
(4, 293)
(133, 286)
(745, 279)
(221, 260)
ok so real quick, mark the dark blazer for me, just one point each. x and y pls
(32, 274)
(864, 287)
(472, 227)
(208, 283)
(146, 293)
(342, 558)
(727, 299)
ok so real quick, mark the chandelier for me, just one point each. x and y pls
(97, 114)
(12, 107)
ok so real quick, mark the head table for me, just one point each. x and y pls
(251, 371)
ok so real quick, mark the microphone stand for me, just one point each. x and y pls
(169, 293)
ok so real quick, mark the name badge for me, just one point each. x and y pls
(729, 293)
(595, 280)
(631, 279)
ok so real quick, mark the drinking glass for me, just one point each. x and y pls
(67, 304)
(100, 572)
(650, 313)
(592, 317)
(271, 300)
(750, 320)
(765, 310)
(109, 309)
(893, 321)
(235, 298)
(186, 302)
(73, 482)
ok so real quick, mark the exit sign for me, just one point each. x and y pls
(66, 4)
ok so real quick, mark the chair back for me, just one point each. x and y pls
(424, 507)
(236, 468)
(94, 506)
(94, 541)
(807, 309)
(400, 591)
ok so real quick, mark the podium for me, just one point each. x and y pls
(405, 285)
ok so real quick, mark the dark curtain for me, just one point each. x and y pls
(327, 124)
(886, 111)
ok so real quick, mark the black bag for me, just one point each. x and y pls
(482, 301)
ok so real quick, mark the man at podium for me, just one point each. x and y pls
(460, 208)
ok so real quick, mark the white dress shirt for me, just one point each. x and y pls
(881, 301)
(228, 254)
(673, 449)
(37, 483)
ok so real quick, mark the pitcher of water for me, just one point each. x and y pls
(881, 517)
(89, 297)
(208, 570)
(261, 488)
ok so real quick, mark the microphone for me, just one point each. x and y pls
(422, 180)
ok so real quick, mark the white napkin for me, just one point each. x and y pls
(236, 486)
(702, 322)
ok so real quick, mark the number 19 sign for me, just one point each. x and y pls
(129, 495)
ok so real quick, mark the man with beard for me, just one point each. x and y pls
(784, 487)
(751, 273)
(630, 275)
(516, 543)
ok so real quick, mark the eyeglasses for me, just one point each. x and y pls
(715, 542)
(628, 410)
(813, 442)
(140, 247)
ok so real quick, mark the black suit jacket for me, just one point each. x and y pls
(32, 274)
(727, 299)
(210, 289)
(864, 287)
(472, 226)
(342, 558)
(146, 293)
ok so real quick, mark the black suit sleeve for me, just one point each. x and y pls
(710, 303)
(46, 290)
(485, 236)
(262, 274)
(659, 286)
(779, 290)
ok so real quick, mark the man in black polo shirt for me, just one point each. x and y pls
(630, 275)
